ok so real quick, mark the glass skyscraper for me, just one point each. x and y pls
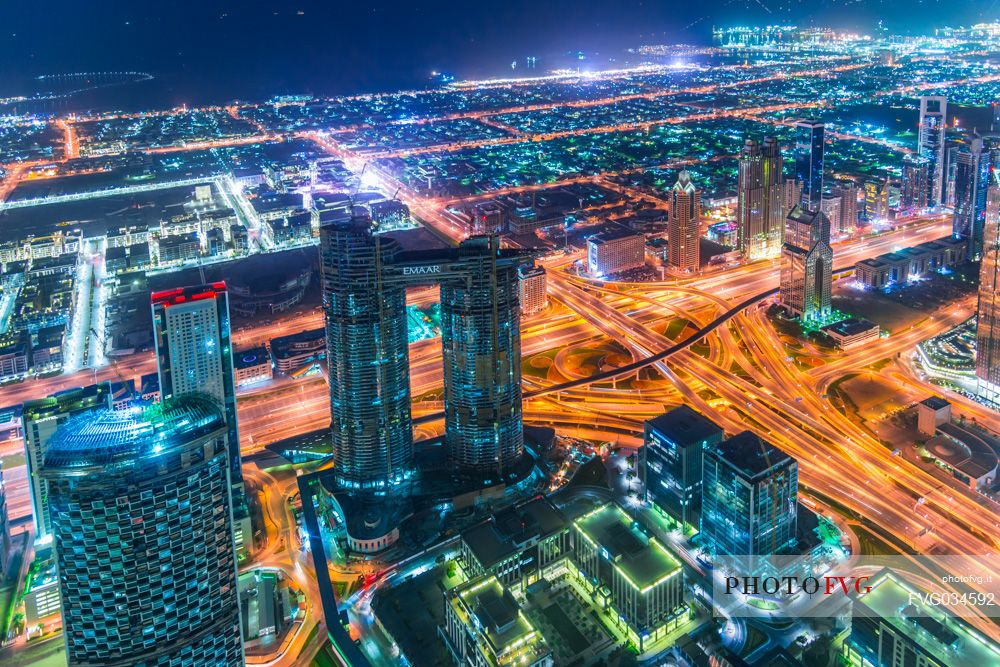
(749, 497)
(809, 150)
(988, 315)
(142, 523)
(367, 355)
(973, 166)
(931, 135)
(807, 265)
(760, 200)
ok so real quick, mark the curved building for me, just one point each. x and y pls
(481, 344)
(367, 356)
(141, 518)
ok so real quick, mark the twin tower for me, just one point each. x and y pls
(365, 276)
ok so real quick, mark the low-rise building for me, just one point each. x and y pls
(851, 333)
(892, 625)
(631, 572)
(46, 349)
(517, 543)
(252, 365)
(931, 413)
(14, 355)
(179, 248)
(970, 457)
(614, 251)
(485, 627)
(291, 353)
(909, 264)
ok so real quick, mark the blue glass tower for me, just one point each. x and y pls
(973, 165)
(749, 495)
(141, 517)
(809, 138)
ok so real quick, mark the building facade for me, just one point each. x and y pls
(364, 282)
(760, 207)
(930, 137)
(684, 227)
(988, 312)
(39, 420)
(807, 265)
(809, 151)
(532, 287)
(749, 497)
(146, 496)
(972, 180)
(916, 183)
(194, 355)
(615, 251)
(671, 460)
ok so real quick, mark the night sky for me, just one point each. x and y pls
(213, 51)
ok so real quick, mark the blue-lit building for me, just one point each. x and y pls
(973, 166)
(367, 356)
(931, 145)
(671, 455)
(364, 280)
(194, 354)
(142, 526)
(39, 420)
(749, 496)
(809, 138)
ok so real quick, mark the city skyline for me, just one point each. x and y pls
(652, 353)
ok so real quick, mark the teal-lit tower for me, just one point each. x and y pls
(141, 518)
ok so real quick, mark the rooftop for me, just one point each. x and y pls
(614, 234)
(123, 438)
(508, 531)
(504, 635)
(751, 455)
(639, 557)
(685, 426)
(850, 327)
(935, 403)
(945, 637)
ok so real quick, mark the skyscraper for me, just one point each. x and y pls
(39, 420)
(988, 315)
(931, 134)
(809, 149)
(749, 497)
(807, 265)
(141, 516)
(916, 183)
(685, 224)
(972, 179)
(481, 346)
(194, 355)
(672, 457)
(367, 355)
(848, 193)
(760, 200)
(364, 281)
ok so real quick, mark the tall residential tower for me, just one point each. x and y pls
(988, 316)
(760, 200)
(931, 135)
(684, 227)
(809, 151)
(141, 515)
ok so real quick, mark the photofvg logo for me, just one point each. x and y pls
(792, 585)
(828, 586)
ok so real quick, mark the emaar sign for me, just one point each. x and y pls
(421, 270)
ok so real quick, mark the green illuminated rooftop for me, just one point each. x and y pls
(949, 639)
(504, 634)
(637, 555)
